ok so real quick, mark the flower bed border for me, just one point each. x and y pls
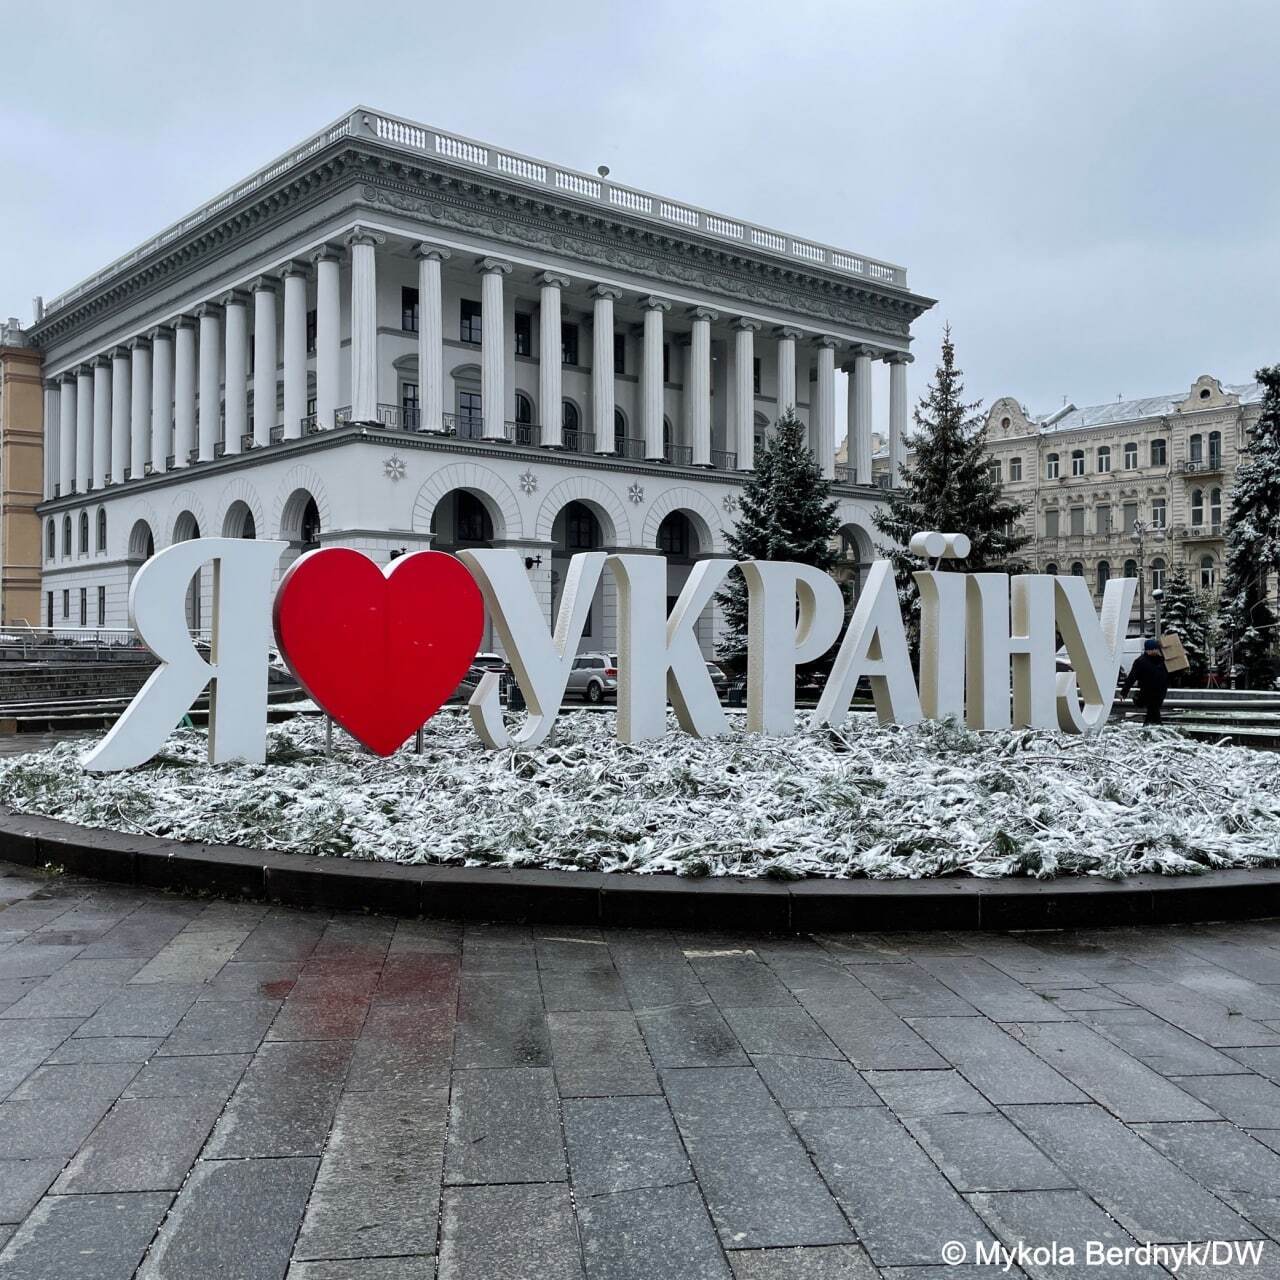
(621, 898)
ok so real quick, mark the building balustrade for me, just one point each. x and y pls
(1209, 466)
(527, 433)
(576, 441)
(723, 460)
(628, 447)
(681, 455)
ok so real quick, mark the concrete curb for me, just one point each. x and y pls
(584, 897)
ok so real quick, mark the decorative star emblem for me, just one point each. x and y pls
(529, 482)
(636, 493)
(393, 468)
(730, 503)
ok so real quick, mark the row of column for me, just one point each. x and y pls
(180, 394)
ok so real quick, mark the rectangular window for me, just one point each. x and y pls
(84, 606)
(1158, 452)
(1077, 462)
(569, 344)
(469, 321)
(469, 411)
(1131, 456)
(619, 353)
(755, 375)
(1102, 516)
(66, 603)
(311, 332)
(409, 405)
(1159, 512)
(48, 608)
(1015, 470)
(524, 334)
(666, 362)
(1051, 523)
(1077, 522)
(408, 309)
(1051, 467)
(102, 606)
(1130, 510)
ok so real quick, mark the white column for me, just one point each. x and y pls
(786, 368)
(52, 412)
(236, 391)
(744, 392)
(101, 421)
(430, 338)
(67, 435)
(824, 407)
(209, 409)
(493, 401)
(651, 375)
(602, 398)
(184, 391)
(161, 399)
(364, 327)
(295, 348)
(121, 413)
(84, 429)
(860, 415)
(265, 378)
(898, 362)
(140, 408)
(550, 355)
(328, 336)
(699, 377)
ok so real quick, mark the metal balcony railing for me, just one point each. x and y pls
(528, 433)
(277, 433)
(629, 447)
(246, 442)
(843, 473)
(579, 441)
(723, 459)
(465, 426)
(1201, 466)
(681, 455)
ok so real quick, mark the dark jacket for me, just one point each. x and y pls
(1151, 674)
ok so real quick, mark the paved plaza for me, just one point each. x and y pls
(200, 1088)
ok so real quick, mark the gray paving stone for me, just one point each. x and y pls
(105, 1049)
(1218, 1156)
(690, 1036)
(1147, 1194)
(141, 1011)
(1210, 1019)
(401, 1046)
(1069, 1219)
(927, 1093)
(22, 1183)
(339, 1019)
(569, 949)
(1264, 1061)
(622, 1144)
(104, 1081)
(501, 1024)
(997, 1065)
(509, 1233)
(722, 1100)
(829, 1262)
(85, 1237)
(985, 1153)
(52, 1127)
(142, 1144)
(504, 1127)
(1158, 1045)
(989, 991)
(378, 1188)
(660, 984)
(264, 1199)
(221, 1026)
(599, 1054)
(419, 1268)
(651, 1233)
(284, 1102)
(911, 992)
(1107, 1074)
(425, 977)
(867, 1031)
(27, 1042)
(773, 1029)
(733, 980)
(901, 1206)
(33, 960)
(184, 1077)
(1246, 1100)
(570, 990)
(814, 1082)
(943, 1272)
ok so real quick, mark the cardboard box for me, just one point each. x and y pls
(1175, 656)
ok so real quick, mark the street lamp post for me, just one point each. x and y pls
(1138, 536)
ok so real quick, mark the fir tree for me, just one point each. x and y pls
(949, 487)
(1190, 615)
(1253, 542)
(785, 512)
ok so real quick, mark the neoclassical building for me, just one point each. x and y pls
(1089, 476)
(394, 338)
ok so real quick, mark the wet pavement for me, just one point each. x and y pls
(199, 1088)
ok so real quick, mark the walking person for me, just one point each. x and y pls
(1152, 677)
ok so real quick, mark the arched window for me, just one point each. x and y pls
(471, 519)
(1197, 506)
(102, 528)
(1051, 568)
(1077, 462)
(1131, 456)
(1195, 449)
(1215, 449)
(581, 528)
(1215, 507)
(1077, 569)
(1157, 574)
(309, 526)
(619, 432)
(524, 408)
(1159, 453)
(66, 535)
(1051, 467)
(51, 539)
(1104, 575)
(569, 422)
(1130, 568)
(1104, 458)
(84, 533)
(674, 535)
(1207, 575)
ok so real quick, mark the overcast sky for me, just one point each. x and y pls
(1090, 190)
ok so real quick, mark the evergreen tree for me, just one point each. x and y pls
(785, 512)
(1253, 543)
(949, 487)
(1190, 615)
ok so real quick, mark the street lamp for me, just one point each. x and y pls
(1138, 536)
(1157, 595)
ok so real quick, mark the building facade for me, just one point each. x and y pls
(21, 450)
(395, 338)
(1093, 478)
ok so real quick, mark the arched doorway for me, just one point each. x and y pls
(185, 528)
(682, 539)
(578, 527)
(854, 554)
(465, 518)
(300, 524)
(239, 521)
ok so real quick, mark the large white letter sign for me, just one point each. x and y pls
(1095, 645)
(541, 661)
(794, 613)
(659, 657)
(993, 642)
(875, 645)
(237, 666)
(942, 651)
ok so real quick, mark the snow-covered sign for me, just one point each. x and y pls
(381, 650)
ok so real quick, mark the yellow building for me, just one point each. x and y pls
(21, 477)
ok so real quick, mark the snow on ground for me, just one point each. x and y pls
(884, 802)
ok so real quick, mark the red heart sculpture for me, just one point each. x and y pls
(380, 652)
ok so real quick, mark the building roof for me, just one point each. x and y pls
(1101, 415)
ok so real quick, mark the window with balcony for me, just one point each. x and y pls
(1208, 574)
(569, 418)
(1077, 522)
(408, 309)
(1077, 462)
(1102, 519)
(524, 409)
(469, 323)
(524, 334)
(470, 413)
(409, 405)
(1051, 523)
(1051, 467)
(755, 375)
(1131, 456)
(1195, 450)
(569, 344)
(1159, 453)
(1015, 470)
(1215, 449)
(666, 362)
(1130, 513)
(619, 354)
(1104, 458)
(1215, 508)
(1159, 513)
(1197, 506)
